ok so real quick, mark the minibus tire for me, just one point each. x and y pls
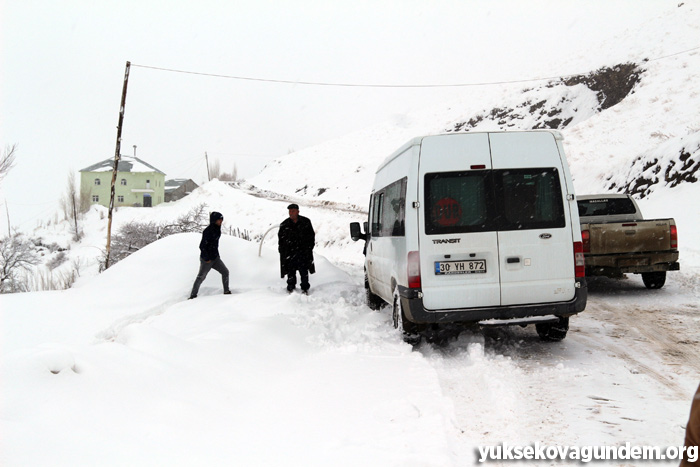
(408, 329)
(553, 332)
(374, 302)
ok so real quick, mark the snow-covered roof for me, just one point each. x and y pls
(126, 164)
(176, 182)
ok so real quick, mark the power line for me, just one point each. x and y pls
(360, 85)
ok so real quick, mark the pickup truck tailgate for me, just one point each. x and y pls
(629, 237)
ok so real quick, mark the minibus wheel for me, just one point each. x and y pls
(374, 302)
(408, 329)
(553, 331)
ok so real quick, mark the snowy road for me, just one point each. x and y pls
(123, 365)
(625, 373)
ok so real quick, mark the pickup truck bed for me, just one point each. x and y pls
(617, 240)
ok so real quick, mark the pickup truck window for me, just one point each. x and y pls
(493, 200)
(605, 207)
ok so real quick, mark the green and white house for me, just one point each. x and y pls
(138, 183)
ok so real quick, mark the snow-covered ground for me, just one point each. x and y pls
(121, 369)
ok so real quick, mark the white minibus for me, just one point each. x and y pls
(475, 228)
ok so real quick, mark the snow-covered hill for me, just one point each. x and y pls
(633, 111)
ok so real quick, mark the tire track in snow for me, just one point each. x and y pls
(111, 333)
(667, 350)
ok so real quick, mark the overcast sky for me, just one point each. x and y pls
(62, 66)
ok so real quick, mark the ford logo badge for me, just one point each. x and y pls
(545, 236)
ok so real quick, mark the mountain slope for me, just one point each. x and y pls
(637, 104)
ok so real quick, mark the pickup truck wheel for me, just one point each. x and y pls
(408, 329)
(654, 280)
(374, 302)
(553, 331)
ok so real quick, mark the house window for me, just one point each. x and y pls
(148, 184)
(124, 181)
(120, 199)
(95, 199)
(97, 181)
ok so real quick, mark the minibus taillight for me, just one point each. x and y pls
(579, 262)
(586, 237)
(674, 237)
(413, 270)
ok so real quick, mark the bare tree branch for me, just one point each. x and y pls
(133, 236)
(16, 255)
(7, 160)
(71, 205)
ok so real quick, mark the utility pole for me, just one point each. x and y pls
(206, 158)
(117, 156)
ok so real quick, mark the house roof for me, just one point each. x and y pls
(175, 183)
(126, 164)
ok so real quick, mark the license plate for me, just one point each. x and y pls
(477, 266)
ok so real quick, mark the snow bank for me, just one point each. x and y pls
(144, 376)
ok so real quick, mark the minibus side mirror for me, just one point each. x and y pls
(355, 232)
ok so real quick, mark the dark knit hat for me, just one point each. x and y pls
(293, 206)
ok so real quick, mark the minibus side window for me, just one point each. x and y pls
(377, 205)
(394, 210)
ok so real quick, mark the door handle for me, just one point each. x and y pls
(512, 260)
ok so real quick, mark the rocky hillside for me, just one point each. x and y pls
(630, 124)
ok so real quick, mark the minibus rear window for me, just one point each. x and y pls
(493, 200)
(531, 199)
(458, 202)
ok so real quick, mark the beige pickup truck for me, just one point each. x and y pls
(617, 240)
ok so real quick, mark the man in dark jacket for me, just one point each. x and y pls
(209, 258)
(296, 244)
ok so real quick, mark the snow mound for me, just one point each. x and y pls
(142, 286)
(148, 377)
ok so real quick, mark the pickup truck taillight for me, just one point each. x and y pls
(674, 237)
(413, 270)
(586, 237)
(579, 262)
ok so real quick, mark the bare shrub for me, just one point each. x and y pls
(51, 280)
(57, 260)
(236, 232)
(17, 256)
(133, 236)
